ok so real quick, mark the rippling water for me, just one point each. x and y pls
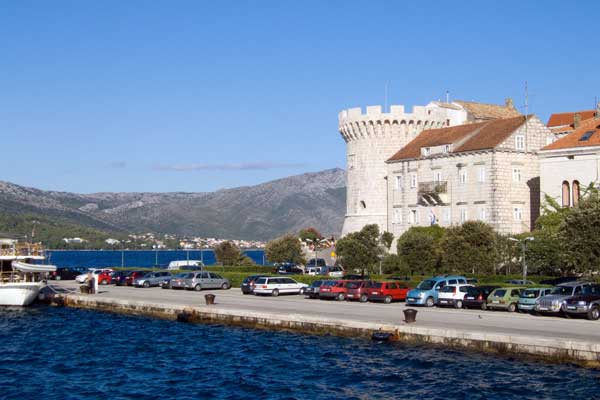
(61, 353)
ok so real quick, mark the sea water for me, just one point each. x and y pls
(62, 353)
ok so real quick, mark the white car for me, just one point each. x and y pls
(452, 295)
(335, 271)
(96, 271)
(278, 285)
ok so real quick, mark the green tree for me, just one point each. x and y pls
(392, 264)
(360, 250)
(227, 253)
(310, 233)
(580, 235)
(469, 248)
(419, 249)
(285, 249)
(387, 238)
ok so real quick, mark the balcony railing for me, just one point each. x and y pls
(434, 187)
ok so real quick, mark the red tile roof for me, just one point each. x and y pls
(573, 139)
(470, 137)
(568, 118)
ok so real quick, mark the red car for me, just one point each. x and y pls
(387, 291)
(357, 290)
(133, 276)
(333, 290)
(105, 277)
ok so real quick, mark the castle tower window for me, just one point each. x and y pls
(516, 175)
(566, 194)
(576, 194)
(517, 214)
(363, 204)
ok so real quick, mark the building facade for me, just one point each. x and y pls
(572, 163)
(485, 171)
(374, 136)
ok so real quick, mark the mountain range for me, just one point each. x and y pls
(259, 212)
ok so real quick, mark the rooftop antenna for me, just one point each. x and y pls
(526, 100)
(447, 96)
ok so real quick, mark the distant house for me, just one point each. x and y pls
(561, 124)
(75, 240)
(112, 242)
(571, 163)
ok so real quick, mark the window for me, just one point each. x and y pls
(414, 217)
(446, 216)
(482, 214)
(437, 176)
(462, 176)
(566, 194)
(481, 174)
(397, 215)
(517, 214)
(447, 148)
(399, 182)
(363, 204)
(586, 136)
(520, 142)
(413, 181)
(427, 151)
(516, 175)
(463, 215)
(576, 193)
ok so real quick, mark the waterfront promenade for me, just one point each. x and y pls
(553, 338)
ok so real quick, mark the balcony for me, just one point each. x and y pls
(433, 193)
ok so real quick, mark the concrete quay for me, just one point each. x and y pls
(550, 338)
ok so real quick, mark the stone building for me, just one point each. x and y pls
(484, 171)
(374, 136)
(572, 163)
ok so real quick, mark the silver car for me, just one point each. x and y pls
(176, 282)
(152, 279)
(554, 302)
(205, 280)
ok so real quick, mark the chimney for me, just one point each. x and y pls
(576, 120)
(508, 103)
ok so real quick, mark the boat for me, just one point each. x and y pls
(21, 279)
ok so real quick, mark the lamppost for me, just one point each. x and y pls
(523, 243)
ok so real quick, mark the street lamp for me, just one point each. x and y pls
(523, 243)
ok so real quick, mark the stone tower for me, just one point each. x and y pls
(373, 137)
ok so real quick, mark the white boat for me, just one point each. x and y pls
(21, 280)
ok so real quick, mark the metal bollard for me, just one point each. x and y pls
(410, 315)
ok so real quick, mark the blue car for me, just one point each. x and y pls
(426, 292)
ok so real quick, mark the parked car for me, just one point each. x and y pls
(95, 271)
(334, 272)
(64, 274)
(452, 295)
(587, 303)
(553, 303)
(476, 296)
(519, 282)
(358, 290)
(313, 271)
(152, 279)
(387, 291)
(505, 298)
(133, 275)
(472, 281)
(529, 297)
(426, 292)
(105, 277)
(333, 290)
(205, 280)
(248, 283)
(558, 281)
(176, 282)
(312, 290)
(188, 265)
(117, 275)
(278, 285)
(318, 262)
(289, 269)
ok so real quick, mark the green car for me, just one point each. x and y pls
(505, 298)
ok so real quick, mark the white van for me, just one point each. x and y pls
(185, 264)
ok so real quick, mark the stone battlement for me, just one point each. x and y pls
(397, 112)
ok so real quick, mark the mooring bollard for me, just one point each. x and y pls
(210, 299)
(410, 315)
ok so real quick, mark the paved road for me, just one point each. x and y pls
(460, 320)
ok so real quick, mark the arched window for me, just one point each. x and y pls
(566, 194)
(576, 193)
(363, 204)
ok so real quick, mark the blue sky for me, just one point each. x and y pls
(198, 95)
